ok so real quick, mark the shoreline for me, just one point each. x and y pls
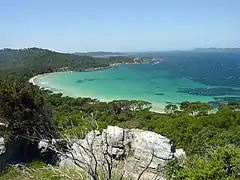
(32, 80)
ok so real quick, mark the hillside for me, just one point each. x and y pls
(35, 61)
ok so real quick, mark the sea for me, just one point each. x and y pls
(211, 77)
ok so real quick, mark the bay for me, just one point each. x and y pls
(180, 76)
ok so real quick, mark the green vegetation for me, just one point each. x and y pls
(25, 63)
(40, 171)
(24, 111)
(211, 140)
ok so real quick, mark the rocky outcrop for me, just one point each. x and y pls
(131, 151)
(2, 143)
(138, 148)
(2, 151)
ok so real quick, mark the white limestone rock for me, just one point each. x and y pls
(2, 145)
(137, 147)
(146, 144)
(43, 145)
(180, 153)
(114, 136)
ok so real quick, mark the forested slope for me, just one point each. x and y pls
(29, 62)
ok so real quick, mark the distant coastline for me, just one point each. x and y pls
(100, 54)
(213, 49)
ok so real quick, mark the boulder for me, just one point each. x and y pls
(146, 144)
(138, 149)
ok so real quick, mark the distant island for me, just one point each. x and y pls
(213, 49)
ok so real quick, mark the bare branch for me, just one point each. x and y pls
(147, 166)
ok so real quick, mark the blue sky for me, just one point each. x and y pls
(119, 25)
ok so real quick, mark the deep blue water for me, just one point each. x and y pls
(220, 69)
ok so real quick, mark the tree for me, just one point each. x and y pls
(233, 103)
(27, 119)
(184, 105)
(24, 111)
(195, 108)
(171, 108)
(223, 163)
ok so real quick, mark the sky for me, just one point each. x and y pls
(119, 25)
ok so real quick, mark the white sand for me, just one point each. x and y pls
(159, 112)
(31, 80)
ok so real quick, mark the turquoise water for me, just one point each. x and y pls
(150, 82)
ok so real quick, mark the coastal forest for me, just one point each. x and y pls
(211, 140)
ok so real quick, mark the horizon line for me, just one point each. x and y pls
(122, 52)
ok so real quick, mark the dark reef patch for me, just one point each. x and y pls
(159, 94)
(229, 98)
(84, 80)
(120, 78)
(221, 91)
(223, 100)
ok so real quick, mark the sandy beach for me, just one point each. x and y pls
(31, 80)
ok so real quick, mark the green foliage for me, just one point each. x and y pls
(36, 164)
(53, 173)
(171, 108)
(195, 108)
(223, 163)
(42, 173)
(172, 168)
(12, 174)
(23, 110)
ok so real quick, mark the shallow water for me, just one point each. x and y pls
(206, 77)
